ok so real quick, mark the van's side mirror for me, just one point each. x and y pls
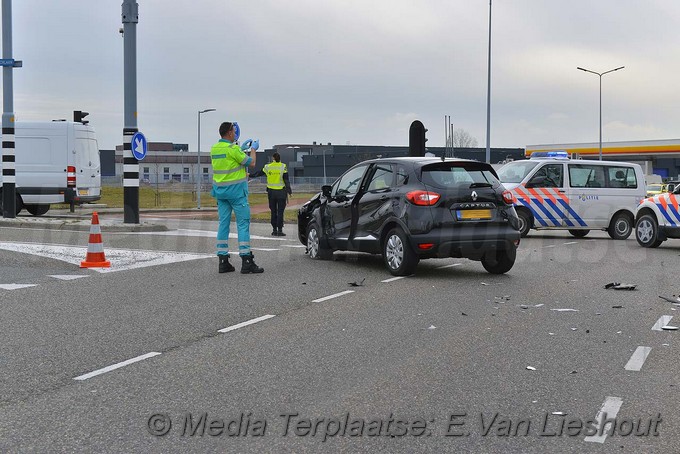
(326, 190)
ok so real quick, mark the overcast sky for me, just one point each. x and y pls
(357, 71)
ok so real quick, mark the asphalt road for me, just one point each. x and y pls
(404, 357)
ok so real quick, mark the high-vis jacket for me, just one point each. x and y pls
(274, 172)
(229, 164)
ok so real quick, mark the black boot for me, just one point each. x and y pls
(249, 266)
(225, 266)
(280, 233)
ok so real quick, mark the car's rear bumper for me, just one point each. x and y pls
(465, 241)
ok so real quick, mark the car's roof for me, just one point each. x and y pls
(422, 160)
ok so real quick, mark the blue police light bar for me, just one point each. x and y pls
(561, 154)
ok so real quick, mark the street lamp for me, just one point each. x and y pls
(198, 170)
(600, 75)
(324, 166)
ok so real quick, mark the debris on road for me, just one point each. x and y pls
(539, 305)
(574, 329)
(558, 413)
(463, 313)
(674, 300)
(620, 286)
(524, 306)
(357, 283)
(531, 368)
(432, 327)
(573, 372)
(564, 310)
(669, 328)
(617, 307)
(484, 283)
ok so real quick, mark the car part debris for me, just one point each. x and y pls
(558, 413)
(673, 300)
(357, 283)
(524, 306)
(617, 307)
(564, 310)
(620, 286)
(669, 328)
(432, 327)
(531, 368)
(463, 313)
(539, 305)
(573, 372)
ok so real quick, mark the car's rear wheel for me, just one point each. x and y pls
(647, 232)
(579, 233)
(499, 261)
(399, 257)
(37, 210)
(18, 204)
(621, 226)
(314, 248)
(525, 222)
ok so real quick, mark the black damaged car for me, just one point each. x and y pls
(414, 208)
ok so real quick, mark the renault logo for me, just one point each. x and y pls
(474, 195)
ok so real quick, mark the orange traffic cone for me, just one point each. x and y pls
(95, 248)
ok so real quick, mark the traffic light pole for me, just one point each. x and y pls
(130, 18)
(8, 166)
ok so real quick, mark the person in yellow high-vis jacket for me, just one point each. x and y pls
(278, 190)
(230, 188)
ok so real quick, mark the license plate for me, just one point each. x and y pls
(468, 215)
(83, 191)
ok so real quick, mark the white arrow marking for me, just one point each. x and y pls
(138, 143)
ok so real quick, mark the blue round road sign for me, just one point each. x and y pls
(138, 146)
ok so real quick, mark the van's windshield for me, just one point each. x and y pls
(516, 171)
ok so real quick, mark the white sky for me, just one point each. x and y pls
(356, 71)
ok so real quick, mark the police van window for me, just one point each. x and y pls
(548, 176)
(382, 177)
(586, 176)
(515, 172)
(621, 177)
(350, 181)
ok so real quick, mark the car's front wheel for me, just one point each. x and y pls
(499, 261)
(399, 257)
(647, 232)
(314, 248)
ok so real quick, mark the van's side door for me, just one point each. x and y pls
(587, 185)
(545, 191)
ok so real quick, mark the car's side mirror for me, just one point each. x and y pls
(326, 190)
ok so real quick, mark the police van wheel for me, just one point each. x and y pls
(37, 210)
(314, 248)
(647, 232)
(579, 233)
(621, 226)
(18, 204)
(525, 222)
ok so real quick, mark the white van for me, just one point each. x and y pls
(56, 162)
(551, 191)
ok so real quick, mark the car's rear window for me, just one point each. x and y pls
(458, 174)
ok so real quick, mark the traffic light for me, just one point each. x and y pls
(79, 116)
(416, 139)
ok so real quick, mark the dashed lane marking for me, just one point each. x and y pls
(610, 408)
(16, 286)
(249, 322)
(663, 321)
(572, 242)
(116, 366)
(335, 295)
(392, 279)
(449, 266)
(67, 277)
(637, 360)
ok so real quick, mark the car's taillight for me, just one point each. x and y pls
(423, 198)
(507, 196)
(71, 176)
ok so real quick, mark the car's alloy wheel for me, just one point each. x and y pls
(620, 227)
(647, 232)
(399, 258)
(314, 248)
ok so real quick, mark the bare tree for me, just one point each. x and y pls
(463, 139)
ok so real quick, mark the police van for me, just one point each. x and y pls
(56, 162)
(551, 191)
(658, 218)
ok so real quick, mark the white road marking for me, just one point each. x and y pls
(637, 360)
(249, 322)
(116, 366)
(330, 297)
(663, 321)
(196, 233)
(610, 408)
(68, 277)
(392, 279)
(263, 249)
(16, 286)
(294, 245)
(552, 245)
(449, 266)
(572, 242)
(121, 259)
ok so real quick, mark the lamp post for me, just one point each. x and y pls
(488, 97)
(324, 166)
(198, 170)
(600, 76)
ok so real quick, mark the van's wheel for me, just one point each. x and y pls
(314, 248)
(18, 204)
(526, 222)
(37, 210)
(499, 261)
(647, 232)
(579, 233)
(398, 255)
(621, 226)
